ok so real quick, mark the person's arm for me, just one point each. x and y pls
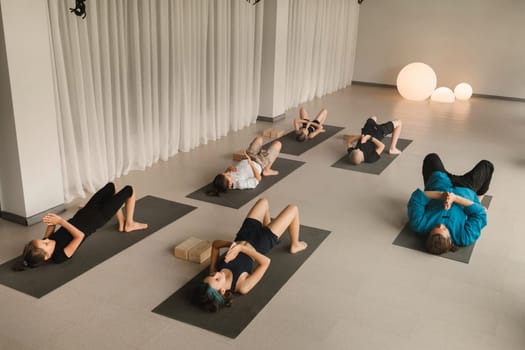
(380, 146)
(318, 129)
(215, 251)
(78, 236)
(245, 285)
(254, 169)
(476, 220)
(49, 230)
(230, 169)
(417, 218)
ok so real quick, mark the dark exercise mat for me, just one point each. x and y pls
(376, 167)
(100, 246)
(237, 198)
(409, 239)
(291, 146)
(231, 321)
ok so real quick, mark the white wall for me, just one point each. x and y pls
(477, 41)
(31, 171)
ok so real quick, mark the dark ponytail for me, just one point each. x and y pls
(31, 257)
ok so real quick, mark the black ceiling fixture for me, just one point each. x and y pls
(360, 1)
(254, 1)
(80, 8)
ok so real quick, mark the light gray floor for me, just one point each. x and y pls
(357, 291)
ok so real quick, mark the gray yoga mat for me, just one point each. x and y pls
(231, 321)
(408, 239)
(100, 246)
(376, 167)
(237, 198)
(291, 146)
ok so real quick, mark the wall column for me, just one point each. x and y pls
(273, 61)
(30, 167)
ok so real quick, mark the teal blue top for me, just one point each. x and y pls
(464, 223)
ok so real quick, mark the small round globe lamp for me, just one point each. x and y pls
(463, 91)
(416, 81)
(443, 94)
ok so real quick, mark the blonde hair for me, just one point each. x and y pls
(356, 157)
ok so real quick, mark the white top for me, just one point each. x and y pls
(243, 178)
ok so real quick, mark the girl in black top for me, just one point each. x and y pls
(306, 129)
(59, 246)
(233, 273)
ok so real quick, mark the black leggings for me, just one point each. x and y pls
(103, 205)
(478, 179)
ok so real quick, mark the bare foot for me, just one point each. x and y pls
(121, 227)
(394, 151)
(134, 226)
(300, 246)
(270, 172)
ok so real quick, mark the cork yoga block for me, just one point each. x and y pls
(273, 133)
(200, 252)
(193, 249)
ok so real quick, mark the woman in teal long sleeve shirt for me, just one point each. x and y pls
(449, 210)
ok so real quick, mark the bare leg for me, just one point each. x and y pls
(130, 224)
(120, 220)
(321, 117)
(374, 118)
(274, 149)
(260, 212)
(302, 113)
(350, 139)
(289, 219)
(395, 137)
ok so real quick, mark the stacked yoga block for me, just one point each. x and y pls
(273, 133)
(193, 249)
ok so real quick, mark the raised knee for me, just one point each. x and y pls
(128, 190)
(263, 201)
(278, 144)
(258, 139)
(293, 208)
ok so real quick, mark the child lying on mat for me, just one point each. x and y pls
(247, 173)
(59, 246)
(233, 273)
(306, 129)
(449, 209)
(368, 146)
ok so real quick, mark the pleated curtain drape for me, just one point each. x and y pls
(139, 80)
(322, 37)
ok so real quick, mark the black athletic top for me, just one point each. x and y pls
(86, 220)
(369, 151)
(242, 263)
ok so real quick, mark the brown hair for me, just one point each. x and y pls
(220, 185)
(439, 244)
(31, 257)
(207, 301)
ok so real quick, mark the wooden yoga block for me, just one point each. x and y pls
(181, 251)
(273, 133)
(200, 252)
(276, 133)
(267, 132)
(238, 155)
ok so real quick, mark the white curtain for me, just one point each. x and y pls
(322, 36)
(139, 80)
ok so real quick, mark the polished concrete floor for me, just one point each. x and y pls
(357, 291)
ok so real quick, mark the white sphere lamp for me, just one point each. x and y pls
(443, 94)
(463, 91)
(416, 81)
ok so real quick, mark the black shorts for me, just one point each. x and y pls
(259, 236)
(379, 131)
